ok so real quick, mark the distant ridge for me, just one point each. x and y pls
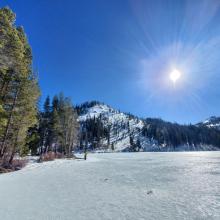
(104, 128)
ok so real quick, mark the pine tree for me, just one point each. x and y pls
(58, 126)
(68, 124)
(19, 89)
(55, 124)
(138, 145)
(112, 147)
(47, 125)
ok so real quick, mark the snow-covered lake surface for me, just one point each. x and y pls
(129, 186)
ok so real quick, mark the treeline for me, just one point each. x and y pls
(173, 134)
(135, 146)
(81, 109)
(92, 133)
(19, 90)
(57, 130)
(93, 130)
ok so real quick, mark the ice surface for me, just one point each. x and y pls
(128, 186)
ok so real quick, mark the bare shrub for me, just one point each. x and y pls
(16, 164)
(49, 156)
(59, 155)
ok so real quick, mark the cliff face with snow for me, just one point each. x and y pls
(120, 125)
(104, 128)
(123, 128)
(212, 122)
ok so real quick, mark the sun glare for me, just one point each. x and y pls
(175, 75)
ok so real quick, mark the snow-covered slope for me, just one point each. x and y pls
(107, 129)
(212, 122)
(122, 127)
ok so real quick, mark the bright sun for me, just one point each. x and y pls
(175, 75)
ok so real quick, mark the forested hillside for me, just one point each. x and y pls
(105, 128)
(175, 135)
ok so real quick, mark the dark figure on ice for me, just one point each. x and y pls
(85, 153)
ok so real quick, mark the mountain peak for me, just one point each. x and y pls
(212, 122)
(105, 128)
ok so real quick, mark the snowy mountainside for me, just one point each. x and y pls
(212, 122)
(102, 128)
(122, 128)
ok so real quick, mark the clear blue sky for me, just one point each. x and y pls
(121, 52)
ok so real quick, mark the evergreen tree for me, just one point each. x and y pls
(138, 145)
(58, 126)
(112, 147)
(19, 89)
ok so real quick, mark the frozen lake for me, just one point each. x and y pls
(129, 186)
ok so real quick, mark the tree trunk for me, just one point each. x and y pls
(2, 148)
(3, 83)
(14, 147)
(4, 89)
